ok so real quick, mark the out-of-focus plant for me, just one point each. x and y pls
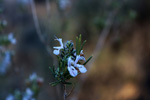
(6, 42)
(132, 14)
(99, 22)
(3, 24)
(71, 62)
(6, 51)
(63, 4)
(34, 84)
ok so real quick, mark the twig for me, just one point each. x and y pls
(37, 26)
(102, 37)
(70, 92)
(48, 7)
(36, 22)
(65, 93)
(100, 43)
(104, 34)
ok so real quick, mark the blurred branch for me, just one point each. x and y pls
(70, 92)
(99, 46)
(48, 8)
(37, 26)
(103, 36)
(65, 93)
(36, 22)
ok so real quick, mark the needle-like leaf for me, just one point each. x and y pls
(82, 45)
(88, 60)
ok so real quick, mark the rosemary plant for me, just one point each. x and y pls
(71, 62)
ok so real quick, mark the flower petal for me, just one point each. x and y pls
(78, 57)
(73, 72)
(81, 52)
(33, 76)
(56, 52)
(81, 68)
(82, 58)
(60, 41)
(10, 97)
(11, 38)
(75, 54)
(57, 48)
(70, 61)
(13, 41)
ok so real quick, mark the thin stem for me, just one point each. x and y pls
(70, 92)
(104, 34)
(37, 27)
(65, 93)
(48, 8)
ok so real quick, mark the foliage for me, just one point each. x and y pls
(62, 73)
(33, 84)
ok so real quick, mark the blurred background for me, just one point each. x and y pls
(117, 34)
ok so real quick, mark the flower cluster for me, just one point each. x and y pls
(72, 65)
(31, 92)
(11, 38)
(6, 51)
(71, 61)
(7, 40)
(3, 24)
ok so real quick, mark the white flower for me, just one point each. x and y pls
(81, 52)
(78, 57)
(73, 72)
(75, 54)
(11, 38)
(70, 61)
(72, 64)
(57, 51)
(81, 68)
(28, 94)
(40, 79)
(10, 97)
(64, 3)
(82, 57)
(33, 77)
(5, 63)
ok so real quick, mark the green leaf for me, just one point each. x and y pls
(77, 45)
(60, 66)
(58, 70)
(69, 83)
(82, 45)
(54, 83)
(88, 60)
(51, 69)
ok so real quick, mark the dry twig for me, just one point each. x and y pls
(102, 37)
(37, 26)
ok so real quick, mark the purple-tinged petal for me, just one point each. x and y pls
(73, 72)
(81, 68)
